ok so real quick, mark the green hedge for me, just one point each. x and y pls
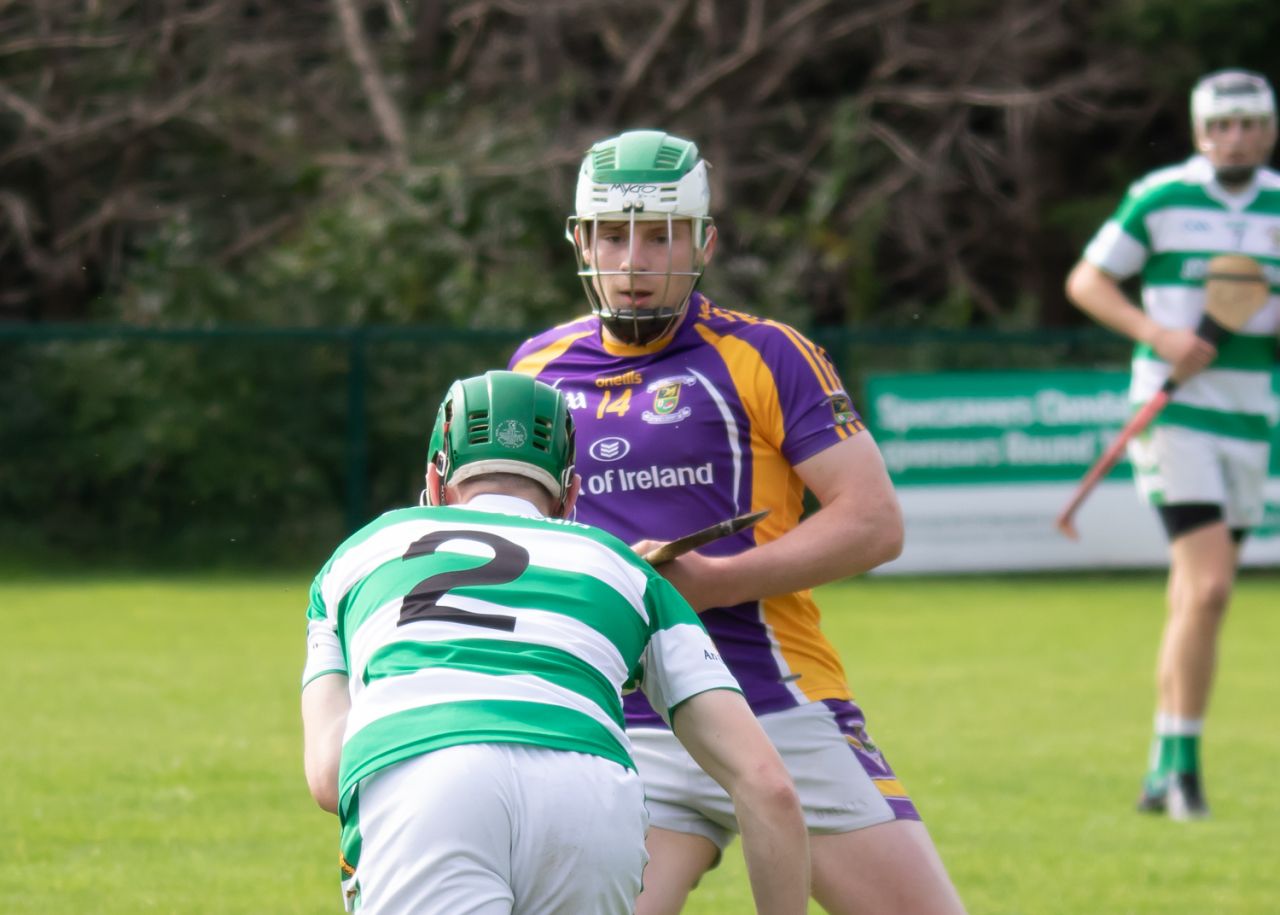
(255, 446)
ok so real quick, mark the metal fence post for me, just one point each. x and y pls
(357, 431)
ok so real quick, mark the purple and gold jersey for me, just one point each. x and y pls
(676, 436)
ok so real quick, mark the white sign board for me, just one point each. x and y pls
(983, 462)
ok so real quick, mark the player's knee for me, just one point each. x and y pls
(1211, 595)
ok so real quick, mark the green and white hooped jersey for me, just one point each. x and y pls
(491, 624)
(1168, 227)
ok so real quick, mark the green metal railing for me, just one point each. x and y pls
(387, 379)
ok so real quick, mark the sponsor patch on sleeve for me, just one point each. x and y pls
(842, 410)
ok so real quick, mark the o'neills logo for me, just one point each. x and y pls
(613, 381)
(651, 477)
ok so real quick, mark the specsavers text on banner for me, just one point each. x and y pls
(984, 461)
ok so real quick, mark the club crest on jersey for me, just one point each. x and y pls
(841, 408)
(666, 400)
(511, 434)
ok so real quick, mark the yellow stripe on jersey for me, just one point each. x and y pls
(796, 624)
(825, 372)
(890, 787)
(818, 362)
(535, 362)
(793, 619)
(753, 380)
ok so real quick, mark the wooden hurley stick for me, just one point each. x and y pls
(669, 551)
(1234, 289)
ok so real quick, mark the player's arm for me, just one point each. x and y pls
(1099, 295)
(858, 527)
(325, 703)
(724, 738)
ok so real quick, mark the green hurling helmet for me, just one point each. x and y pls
(504, 422)
(641, 176)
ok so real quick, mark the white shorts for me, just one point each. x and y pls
(843, 780)
(495, 829)
(1174, 465)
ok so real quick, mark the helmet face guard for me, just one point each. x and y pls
(504, 422)
(629, 323)
(639, 178)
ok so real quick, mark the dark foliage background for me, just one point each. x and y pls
(337, 161)
(914, 165)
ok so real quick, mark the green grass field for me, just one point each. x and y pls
(151, 755)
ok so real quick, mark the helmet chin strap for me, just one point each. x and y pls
(441, 466)
(636, 327)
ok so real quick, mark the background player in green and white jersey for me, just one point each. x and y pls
(1203, 464)
(462, 698)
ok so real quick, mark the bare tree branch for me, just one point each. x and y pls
(639, 64)
(138, 116)
(384, 110)
(939, 136)
(254, 239)
(399, 20)
(748, 49)
(33, 116)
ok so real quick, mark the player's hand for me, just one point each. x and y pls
(699, 579)
(643, 547)
(1186, 351)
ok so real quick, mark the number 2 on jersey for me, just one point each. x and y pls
(423, 602)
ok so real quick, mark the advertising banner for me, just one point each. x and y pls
(984, 461)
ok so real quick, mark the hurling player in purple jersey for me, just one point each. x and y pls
(689, 413)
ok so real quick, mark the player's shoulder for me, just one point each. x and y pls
(519, 527)
(557, 337)
(370, 530)
(529, 527)
(597, 535)
(607, 550)
(386, 519)
(1173, 184)
(763, 334)
(1268, 180)
(744, 340)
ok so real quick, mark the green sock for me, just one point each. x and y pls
(1186, 753)
(1160, 762)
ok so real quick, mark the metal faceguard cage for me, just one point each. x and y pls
(637, 325)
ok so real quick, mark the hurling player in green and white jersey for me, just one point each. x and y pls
(462, 696)
(1203, 464)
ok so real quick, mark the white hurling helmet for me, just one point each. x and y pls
(641, 175)
(1232, 94)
